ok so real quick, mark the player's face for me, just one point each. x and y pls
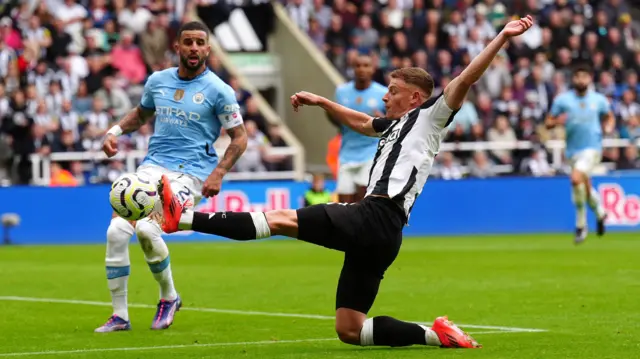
(363, 68)
(400, 98)
(193, 48)
(581, 81)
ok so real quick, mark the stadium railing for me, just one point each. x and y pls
(555, 147)
(41, 165)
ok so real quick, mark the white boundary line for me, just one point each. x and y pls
(177, 346)
(254, 313)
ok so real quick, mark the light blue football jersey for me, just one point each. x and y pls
(583, 119)
(355, 147)
(189, 116)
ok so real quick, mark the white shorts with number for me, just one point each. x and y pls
(586, 161)
(188, 188)
(352, 175)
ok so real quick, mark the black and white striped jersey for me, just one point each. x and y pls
(406, 151)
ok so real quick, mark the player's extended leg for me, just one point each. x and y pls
(118, 267)
(358, 285)
(157, 256)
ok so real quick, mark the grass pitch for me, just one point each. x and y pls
(523, 297)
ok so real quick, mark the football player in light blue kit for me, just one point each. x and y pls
(581, 110)
(356, 150)
(190, 104)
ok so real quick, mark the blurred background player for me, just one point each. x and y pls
(356, 150)
(191, 104)
(581, 110)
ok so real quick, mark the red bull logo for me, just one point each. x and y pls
(238, 201)
(623, 209)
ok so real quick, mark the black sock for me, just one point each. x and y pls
(238, 226)
(389, 331)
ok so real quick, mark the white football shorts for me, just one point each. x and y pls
(586, 161)
(352, 175)
(188, 188)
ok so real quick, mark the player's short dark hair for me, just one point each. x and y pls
(193, 26)
(582, 67)
(415, 76)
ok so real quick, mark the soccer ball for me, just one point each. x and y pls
(133, 197)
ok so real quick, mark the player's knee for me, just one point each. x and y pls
(119, 232)
(147, 230)
(576, 178)
(348, 333)
(282, 221)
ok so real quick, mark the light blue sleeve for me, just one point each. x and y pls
(557, 107)
(226, 107)
(147, 95)
(605, 106)
(336, 95)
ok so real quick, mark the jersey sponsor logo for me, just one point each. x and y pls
(389, 138)
(198, 98)
(175, 116)
(178, 95)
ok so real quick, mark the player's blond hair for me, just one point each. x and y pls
(415, 76)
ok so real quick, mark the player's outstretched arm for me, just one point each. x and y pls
(457, 89)
(357, 121)
(132, 121)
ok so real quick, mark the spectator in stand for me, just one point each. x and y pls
(154, 44)
(502, 132)
(480, 167)
(242, 95)
(253, 158)
(629, 159)
(130, 62)
(448, 169)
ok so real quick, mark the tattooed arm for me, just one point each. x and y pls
(236, 148)
(132, 121)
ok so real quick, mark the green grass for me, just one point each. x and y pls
(586, 298)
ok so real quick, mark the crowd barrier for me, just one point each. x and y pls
(464, 207)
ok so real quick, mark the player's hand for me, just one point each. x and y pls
(213, 184)
(518, 27)
(110, 145)
(305, 98)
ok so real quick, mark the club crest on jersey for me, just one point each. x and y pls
(178, 95)
(358, 100)
(391, 137)
(198, 98)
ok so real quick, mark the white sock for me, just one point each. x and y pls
(595, 204)
(431, 336)
(186, 220)
(118, 288)
(165, 280)
(117, 263)
(579, 199)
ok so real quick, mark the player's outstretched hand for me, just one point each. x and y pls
(302, 98)
(518, 27)
(110, 145)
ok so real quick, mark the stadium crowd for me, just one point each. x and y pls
(512, 99)
(70, 69)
